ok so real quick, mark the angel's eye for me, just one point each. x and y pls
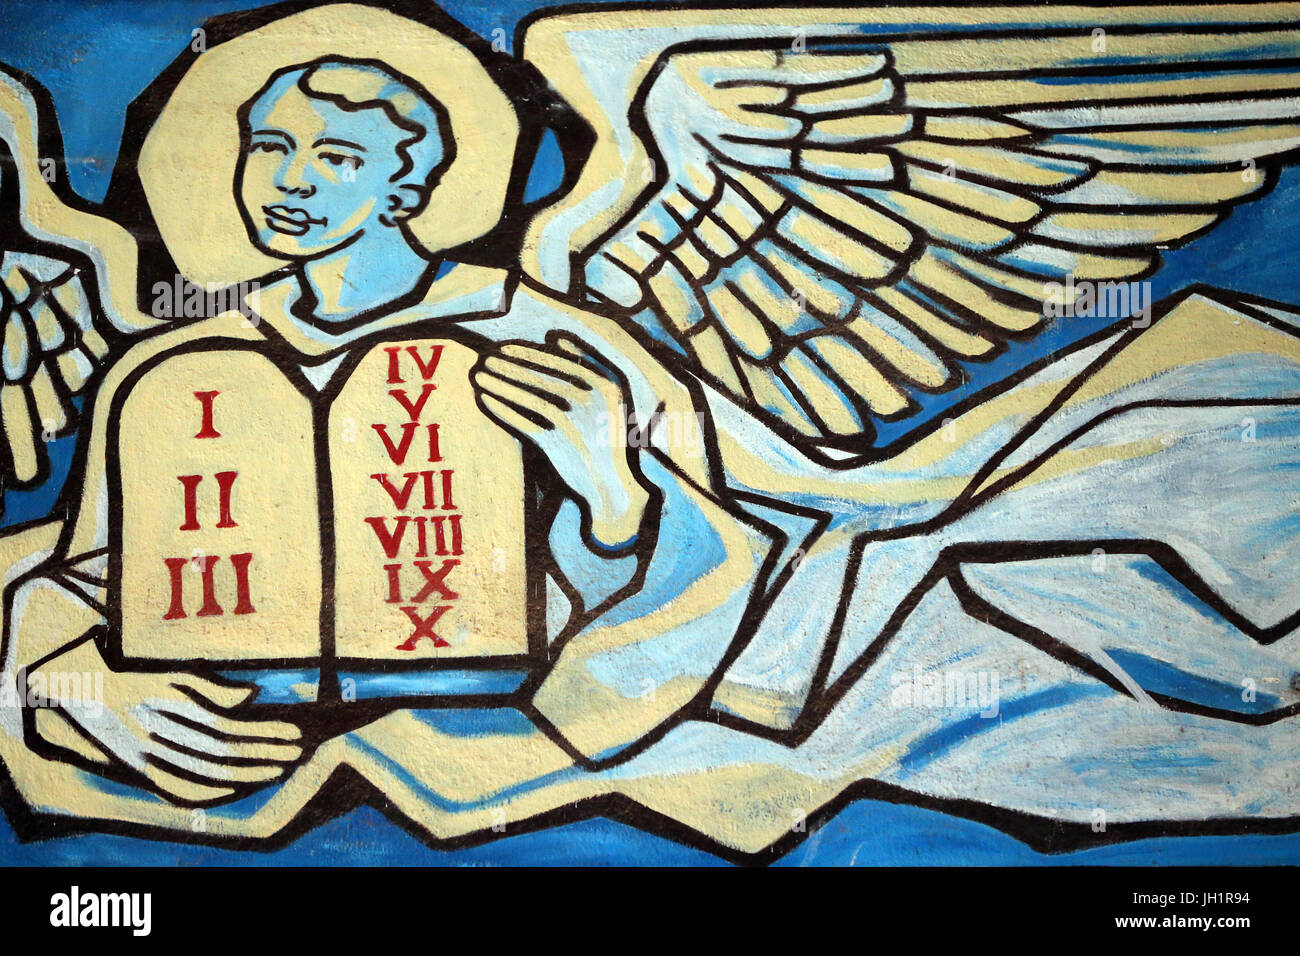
(268, 146)
(342, 161)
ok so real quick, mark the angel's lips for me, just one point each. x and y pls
(290, 220)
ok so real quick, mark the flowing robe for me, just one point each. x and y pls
(1073, 596)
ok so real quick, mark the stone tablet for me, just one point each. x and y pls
(379, 522)
(428, 512)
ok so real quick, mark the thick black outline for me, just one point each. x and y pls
(125, 203)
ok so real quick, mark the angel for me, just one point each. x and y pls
(785, 224)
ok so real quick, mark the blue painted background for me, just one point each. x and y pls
(94, 56)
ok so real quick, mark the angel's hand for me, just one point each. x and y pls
(182, 732)
(48, 350)
(563, 401)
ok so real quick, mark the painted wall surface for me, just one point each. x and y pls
(645, 434)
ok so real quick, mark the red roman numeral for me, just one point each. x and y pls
(413, 409)
(206, 565)
(225, 484)
(426, 368)
(206, 429)
(423, 627)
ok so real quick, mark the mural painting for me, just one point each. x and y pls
(697, 422)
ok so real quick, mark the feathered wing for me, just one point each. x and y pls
(49, 352)
(67, 287)
(827, 210)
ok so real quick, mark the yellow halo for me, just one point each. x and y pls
(187, 161)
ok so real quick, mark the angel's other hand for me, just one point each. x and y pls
(184, 733)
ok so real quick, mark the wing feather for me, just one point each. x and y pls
(49, 348)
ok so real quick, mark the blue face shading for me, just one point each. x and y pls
(315, 177)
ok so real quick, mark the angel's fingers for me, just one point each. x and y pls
(189, 710)
(512, 418)
(601, 372)
(518, 396)
(559, 386)
(216, 693)
(182, 789)
(570, 346)
(211, 770)
(560, 364)
(171, 731)
(54, 728)
(584, 353)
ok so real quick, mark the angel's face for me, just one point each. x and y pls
(314, 176)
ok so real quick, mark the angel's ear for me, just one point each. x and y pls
(405, 201)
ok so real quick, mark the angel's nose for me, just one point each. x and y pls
(291, 181)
